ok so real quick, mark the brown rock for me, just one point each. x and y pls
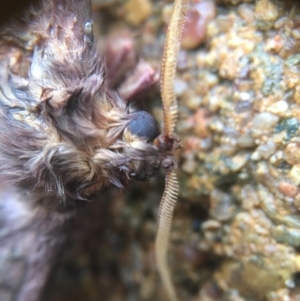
(137, 11)
(288, 189)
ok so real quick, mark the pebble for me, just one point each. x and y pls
(189, 166)
(266, 150)
(137, 11)
(288, 189)
(211, 225)
(222, 205)
(238, 162)
(266, 10)
(211, 79)
(292, 153)
(198, 16)
(263, 122)
(276, 158)
(246, 140)
(216, 126)
(246, 12)
(285, 235)
(180, 86)
(294, 174)
(279, 107)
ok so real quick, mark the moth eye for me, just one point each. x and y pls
(144, 125)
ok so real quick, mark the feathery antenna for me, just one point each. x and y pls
(169, 143)
(168, 68)
(164, 222)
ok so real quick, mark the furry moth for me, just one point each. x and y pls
(64, 134)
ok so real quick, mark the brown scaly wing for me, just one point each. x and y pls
(170, 195)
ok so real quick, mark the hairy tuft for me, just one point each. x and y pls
(61, 128)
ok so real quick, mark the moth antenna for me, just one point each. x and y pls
(169, 61)
(165, 215)
(170, 110)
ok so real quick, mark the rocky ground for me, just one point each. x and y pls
(236, 230)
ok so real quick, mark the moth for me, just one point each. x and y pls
(64, 134)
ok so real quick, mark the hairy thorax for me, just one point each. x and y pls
(64, 130)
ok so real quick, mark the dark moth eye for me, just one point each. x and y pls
(144, 125)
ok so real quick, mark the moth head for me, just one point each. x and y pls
(140, 133)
